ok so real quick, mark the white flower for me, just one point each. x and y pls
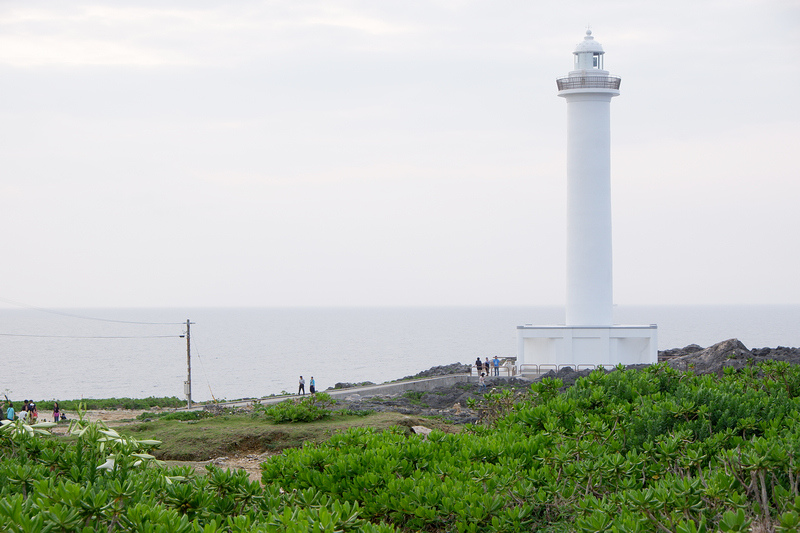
(108, 465)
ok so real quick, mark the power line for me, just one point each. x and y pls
(92, 337)
(83, 317)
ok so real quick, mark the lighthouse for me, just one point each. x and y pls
(588, 90)
(589, 338)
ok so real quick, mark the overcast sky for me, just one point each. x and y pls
(273, 153)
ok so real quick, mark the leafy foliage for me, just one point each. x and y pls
(307, 409)
(626, 451)
(112, 403)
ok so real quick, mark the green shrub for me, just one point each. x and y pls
(415, 397)
(308, 409)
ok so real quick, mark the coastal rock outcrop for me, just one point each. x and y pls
(341, 385)
(781, 353)
(567, 375)
(443, 370)
(730, 353)
(712, 360)
(665, 355)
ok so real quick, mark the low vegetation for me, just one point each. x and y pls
(307, 409)
(627, 451)
(112, 403)
(415, 397)
(183, 416)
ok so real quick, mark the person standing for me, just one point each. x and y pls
(486, 366)
(24, 413)
(10, 412)
(482, 382)
(302, 388)
(33, 414)
(479, 365)
(312, 386)
(496, 363)
(56, 412)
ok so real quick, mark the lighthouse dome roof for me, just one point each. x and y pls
(589, 45)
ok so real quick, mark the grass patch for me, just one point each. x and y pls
(185, 416)
(219, 436)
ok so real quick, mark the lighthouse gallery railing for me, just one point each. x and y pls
(588, 82)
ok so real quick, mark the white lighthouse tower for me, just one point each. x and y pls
(589, 338)
(588, 91)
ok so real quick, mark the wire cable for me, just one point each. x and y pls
(205, 374)
(92, 337)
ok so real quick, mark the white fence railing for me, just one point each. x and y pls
(545, 368)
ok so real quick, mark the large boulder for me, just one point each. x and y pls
(712, 360)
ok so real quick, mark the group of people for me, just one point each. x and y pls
(312, 387)
(486, 365)
(29, 412)
(483, 368)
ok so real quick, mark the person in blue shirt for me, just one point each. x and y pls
(496, 364)
(10, 411)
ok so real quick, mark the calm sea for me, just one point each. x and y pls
(238, 353)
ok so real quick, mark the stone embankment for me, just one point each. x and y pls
(436, 371)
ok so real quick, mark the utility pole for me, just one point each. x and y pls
(187, 386)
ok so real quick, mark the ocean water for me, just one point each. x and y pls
(240, 353)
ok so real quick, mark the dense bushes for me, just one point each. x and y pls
(656, 450)
(107, 482)
(626, 451)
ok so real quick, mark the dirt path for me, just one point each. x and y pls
(112, 417)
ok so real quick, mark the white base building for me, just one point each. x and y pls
(544, 348)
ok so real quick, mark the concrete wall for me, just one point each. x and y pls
(420, 385)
